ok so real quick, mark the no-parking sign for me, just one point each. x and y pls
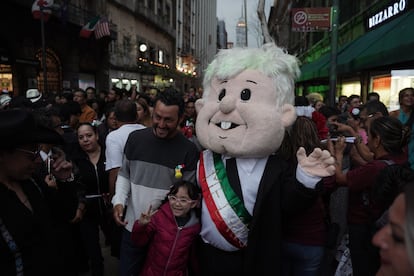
(311, 19)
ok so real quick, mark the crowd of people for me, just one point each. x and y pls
(125, 164)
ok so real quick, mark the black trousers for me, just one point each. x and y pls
(364, 255)
(214, 261)
(90, 237)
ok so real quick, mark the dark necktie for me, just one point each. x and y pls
(233, 177)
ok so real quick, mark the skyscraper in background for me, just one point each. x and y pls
(221, 35)
(241, 31)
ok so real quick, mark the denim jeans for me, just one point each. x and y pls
(131, 258)
(301, 260)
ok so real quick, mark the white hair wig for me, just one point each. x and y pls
(271, 60)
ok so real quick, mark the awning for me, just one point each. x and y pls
(313, 70)
(389, 44)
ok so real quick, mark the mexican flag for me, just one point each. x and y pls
(42, 4)
(88, 29)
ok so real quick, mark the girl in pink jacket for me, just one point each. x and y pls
(170, 232)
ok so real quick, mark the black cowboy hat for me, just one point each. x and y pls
(18, 127)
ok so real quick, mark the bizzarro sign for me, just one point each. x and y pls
(387, 13)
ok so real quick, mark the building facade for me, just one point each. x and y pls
(141, 49)
(373, 50)
(50, 55)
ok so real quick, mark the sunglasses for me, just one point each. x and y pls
(32, 154)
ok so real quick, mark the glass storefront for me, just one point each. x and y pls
(6, 78)
(399, 79)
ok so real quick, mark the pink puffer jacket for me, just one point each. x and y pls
(169, 245)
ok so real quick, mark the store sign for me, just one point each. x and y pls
(311, 19)
(387, 13)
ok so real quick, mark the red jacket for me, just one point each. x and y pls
(169, 245)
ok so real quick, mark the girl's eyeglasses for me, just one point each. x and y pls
(179, 199)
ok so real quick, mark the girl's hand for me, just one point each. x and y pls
(145, 218)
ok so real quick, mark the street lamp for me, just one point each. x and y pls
(143, 47)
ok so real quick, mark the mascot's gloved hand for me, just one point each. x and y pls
(312, 168)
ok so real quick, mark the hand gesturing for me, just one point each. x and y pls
(145, 218)
(319, 163)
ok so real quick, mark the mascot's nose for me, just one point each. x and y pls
(227, 104)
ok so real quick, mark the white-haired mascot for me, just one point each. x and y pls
(247, 188)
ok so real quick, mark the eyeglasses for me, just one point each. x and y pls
(32, 154)
(181, 200)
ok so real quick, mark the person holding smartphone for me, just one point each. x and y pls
(28, 231)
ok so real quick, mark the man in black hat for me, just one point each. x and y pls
(28, 242)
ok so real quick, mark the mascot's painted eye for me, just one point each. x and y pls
(222, 94)
(245, 94)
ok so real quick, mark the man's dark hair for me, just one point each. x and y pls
(68, 95)
(329, 111)
(44, 115)
(126, 111)
(91, 88)
(80, 90)
(69, 108)
(118, 91)
(171, 96)
(374, 95)
(373, 107)
(353, 96)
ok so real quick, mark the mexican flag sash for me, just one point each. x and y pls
(226, 209)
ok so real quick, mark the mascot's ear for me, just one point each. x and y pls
(199, 104)
(288, 114)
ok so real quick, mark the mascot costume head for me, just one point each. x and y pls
(247, 187)
(248, 101)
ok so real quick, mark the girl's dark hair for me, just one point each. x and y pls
(192, 189)
(394, 136)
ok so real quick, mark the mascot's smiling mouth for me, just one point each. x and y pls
(226, 125)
